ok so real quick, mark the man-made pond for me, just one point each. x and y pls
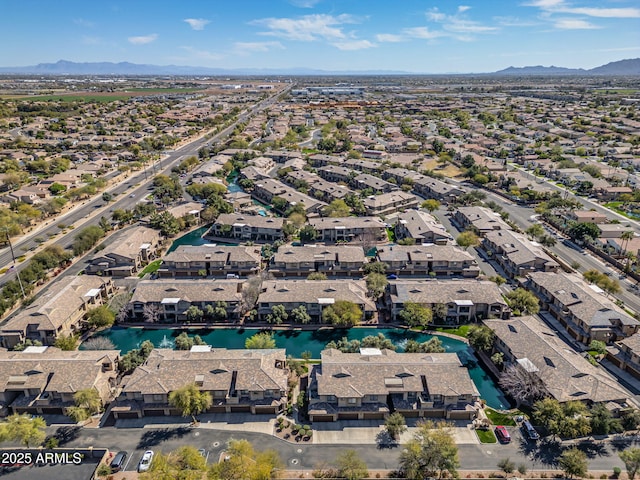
(297, 341)
(195, 238)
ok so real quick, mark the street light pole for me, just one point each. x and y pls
(15, 267)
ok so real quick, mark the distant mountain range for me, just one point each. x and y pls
(622, 67)
(628, 67)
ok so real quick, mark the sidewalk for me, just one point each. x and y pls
(348, 432)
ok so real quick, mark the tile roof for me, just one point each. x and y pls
(566, 374)
(445, 291)
(309, 291)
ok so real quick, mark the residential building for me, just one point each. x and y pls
(333, 261)
(388, 203)
(480, 219)
(210, 261)
(376, 184)
(59, 311)
(423, 260)
(373, 383)
(528, 343)
(171, 298)
(627, 356)
(587, 216)
(239, 381)
(138, 246)
(465, 300)
(421, 227)
(347, 229)
(336, 173)
(244, 228)
(315, 295)
(437, 189)
(583, 309)
(43, 380)
(516, 255)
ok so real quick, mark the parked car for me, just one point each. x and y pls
(392, 276)
(118, 461)
(145, 461)
(502, 434)
(529, 432)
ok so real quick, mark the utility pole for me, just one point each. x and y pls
(15, 267)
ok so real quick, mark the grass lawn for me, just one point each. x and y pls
(486, 436)
(391, 235)
(499, 418)
(460, 331)
(151, 268)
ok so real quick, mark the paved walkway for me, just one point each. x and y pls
(350, 432)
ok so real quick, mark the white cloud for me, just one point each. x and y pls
(305, 3)
(435, 15)
(458, 23)
(463, 8)
(307, 28)
(560, 6)
(197, 23)
(574, 24)
(87, 40)
(423, 33)
(248, 47)
(389, 37)
(354, 45)
(143, 39)
(514, 22)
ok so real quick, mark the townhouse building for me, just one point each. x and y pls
(421, 227)
(388, 203)
(210, 261)
(170, 298)
(239, 381)
(516, 255)
(428, 260)
(244, 228)
(465, 300)
(582, 309)
(373, 383)
(43, 380)
(59, 311)
(333, 261)
(347, 229)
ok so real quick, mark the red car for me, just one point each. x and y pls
(502, 434)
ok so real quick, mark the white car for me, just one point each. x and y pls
(145, 461)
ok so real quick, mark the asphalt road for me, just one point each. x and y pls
(126, 195)
(308, 456)
(522, 217)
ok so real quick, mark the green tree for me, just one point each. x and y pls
(245, 463)
(415, 314)
(430, 453)
(480, 337)
(342, 313)
(598, 346)
(278, 314)
(186, 463)
(584, 231)
(374, 267)
(317, 276)
(376, 284)
(631, 459)
(433, 345)
(67, 342)
(523, 301)
(534, 231)
(351, 466)
(337, 208)
(308, 234)
(190, 401)
(100, 317)
(194, 314)
(300, 315)
(183, 342)
(57, 188)
(23, 428)
(87, 402)
(468, 239)
(263, 340)
(431, 205)
(395, 424)
(573, 462)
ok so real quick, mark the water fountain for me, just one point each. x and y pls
(166, 343)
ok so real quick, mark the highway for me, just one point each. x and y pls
(126, 195)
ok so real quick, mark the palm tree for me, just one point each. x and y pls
(625, 237)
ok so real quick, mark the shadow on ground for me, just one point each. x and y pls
(157, 436)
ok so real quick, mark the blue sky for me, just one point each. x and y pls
(440, 36)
